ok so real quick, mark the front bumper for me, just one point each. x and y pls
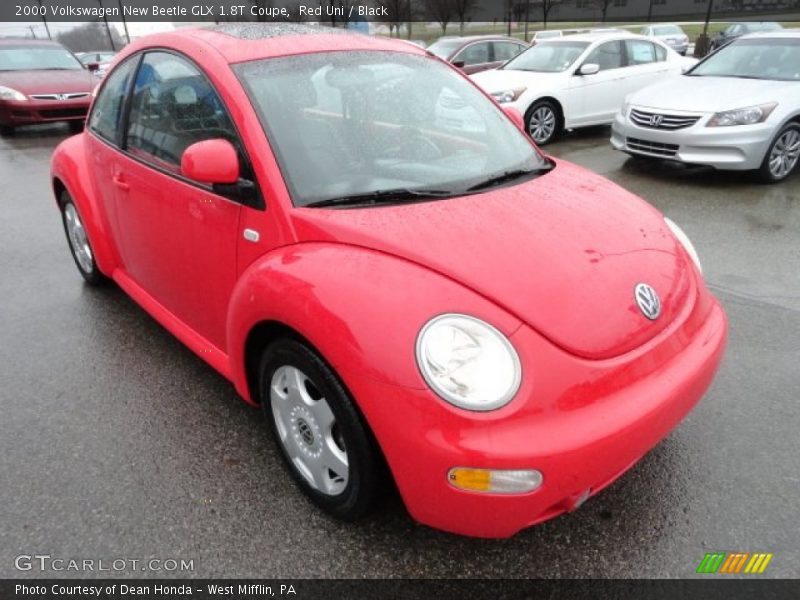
(736, 148)
(581, 423)
(30, 112)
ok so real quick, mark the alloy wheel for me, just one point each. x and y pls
(542, 124)
(784, 154)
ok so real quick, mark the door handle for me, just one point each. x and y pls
(119, 181)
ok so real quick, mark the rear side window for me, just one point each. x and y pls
(661, 53)
(640, 52)
(172, 107)
(106, 117)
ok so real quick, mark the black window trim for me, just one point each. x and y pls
(120, 144)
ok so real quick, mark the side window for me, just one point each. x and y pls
(474, 54)
(607, 55)
(506, 50)
(173, 106)
(640, 52)
(661, 53)
(106, 117)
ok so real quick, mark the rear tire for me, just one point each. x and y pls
(543, 122)
(78, 241)
(323, 439)
(782, 156)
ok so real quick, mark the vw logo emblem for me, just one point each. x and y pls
(647, 300)
(655, 120)
(305, 432)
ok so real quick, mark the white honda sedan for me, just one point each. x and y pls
(579, 80)
(738, 109)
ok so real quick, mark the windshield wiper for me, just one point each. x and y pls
(508, 176)
(395, 196)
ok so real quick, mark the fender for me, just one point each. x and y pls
(69, 171)
(360, 308)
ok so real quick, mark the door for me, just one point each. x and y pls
(178, 238)
(105, 126)
(598, 97)
(475, 58)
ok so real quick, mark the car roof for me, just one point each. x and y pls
(28, 42)
(781, 33)
(595, 36)
(241, 42)
(475, 38)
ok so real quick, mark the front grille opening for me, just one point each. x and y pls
(654, 148)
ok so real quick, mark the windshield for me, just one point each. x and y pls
(32, 58)
(357, 123)
(768, 26)
(776, 58)
(444, 48)
(548, 57)
(668, 30)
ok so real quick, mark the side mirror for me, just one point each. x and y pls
(211, 161)
(513, 114)
(589, 69)
(459, 64)
(93, 66)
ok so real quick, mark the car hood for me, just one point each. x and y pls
(498, 80)
(49, 81)
(710, 94)
(562, 252)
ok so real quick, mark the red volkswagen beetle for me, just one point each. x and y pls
(406, 296)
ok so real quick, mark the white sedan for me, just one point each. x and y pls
(579, 80)
(738, 109)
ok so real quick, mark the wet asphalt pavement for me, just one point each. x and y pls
(116, 441)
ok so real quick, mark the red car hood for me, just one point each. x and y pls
(562, 252)
(49, 81)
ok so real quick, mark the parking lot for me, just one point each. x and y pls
(116, 441)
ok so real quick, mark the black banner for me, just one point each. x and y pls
(390, 11)
(457, 589)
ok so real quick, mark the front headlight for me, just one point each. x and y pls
(685, 242)
(468, 362)
(7, 93)
(742, 116)
(508, 95)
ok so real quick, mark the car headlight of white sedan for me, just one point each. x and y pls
(505, 96)
(742, 116)
(468, 362)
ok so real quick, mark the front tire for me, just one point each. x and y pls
(78, 241)
(543, 122)
(7, 130)
(76, 127)
(320, 433)
(782, 156)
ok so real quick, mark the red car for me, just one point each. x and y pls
(42, 82)
(502, 333)
(476, 53)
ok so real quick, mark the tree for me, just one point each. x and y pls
(90, 36)
(602, 5)
(462, 10)
(441, 11)
(397, 11)
(545, 6)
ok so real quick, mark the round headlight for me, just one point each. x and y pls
(685, 242)
(468, 362)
